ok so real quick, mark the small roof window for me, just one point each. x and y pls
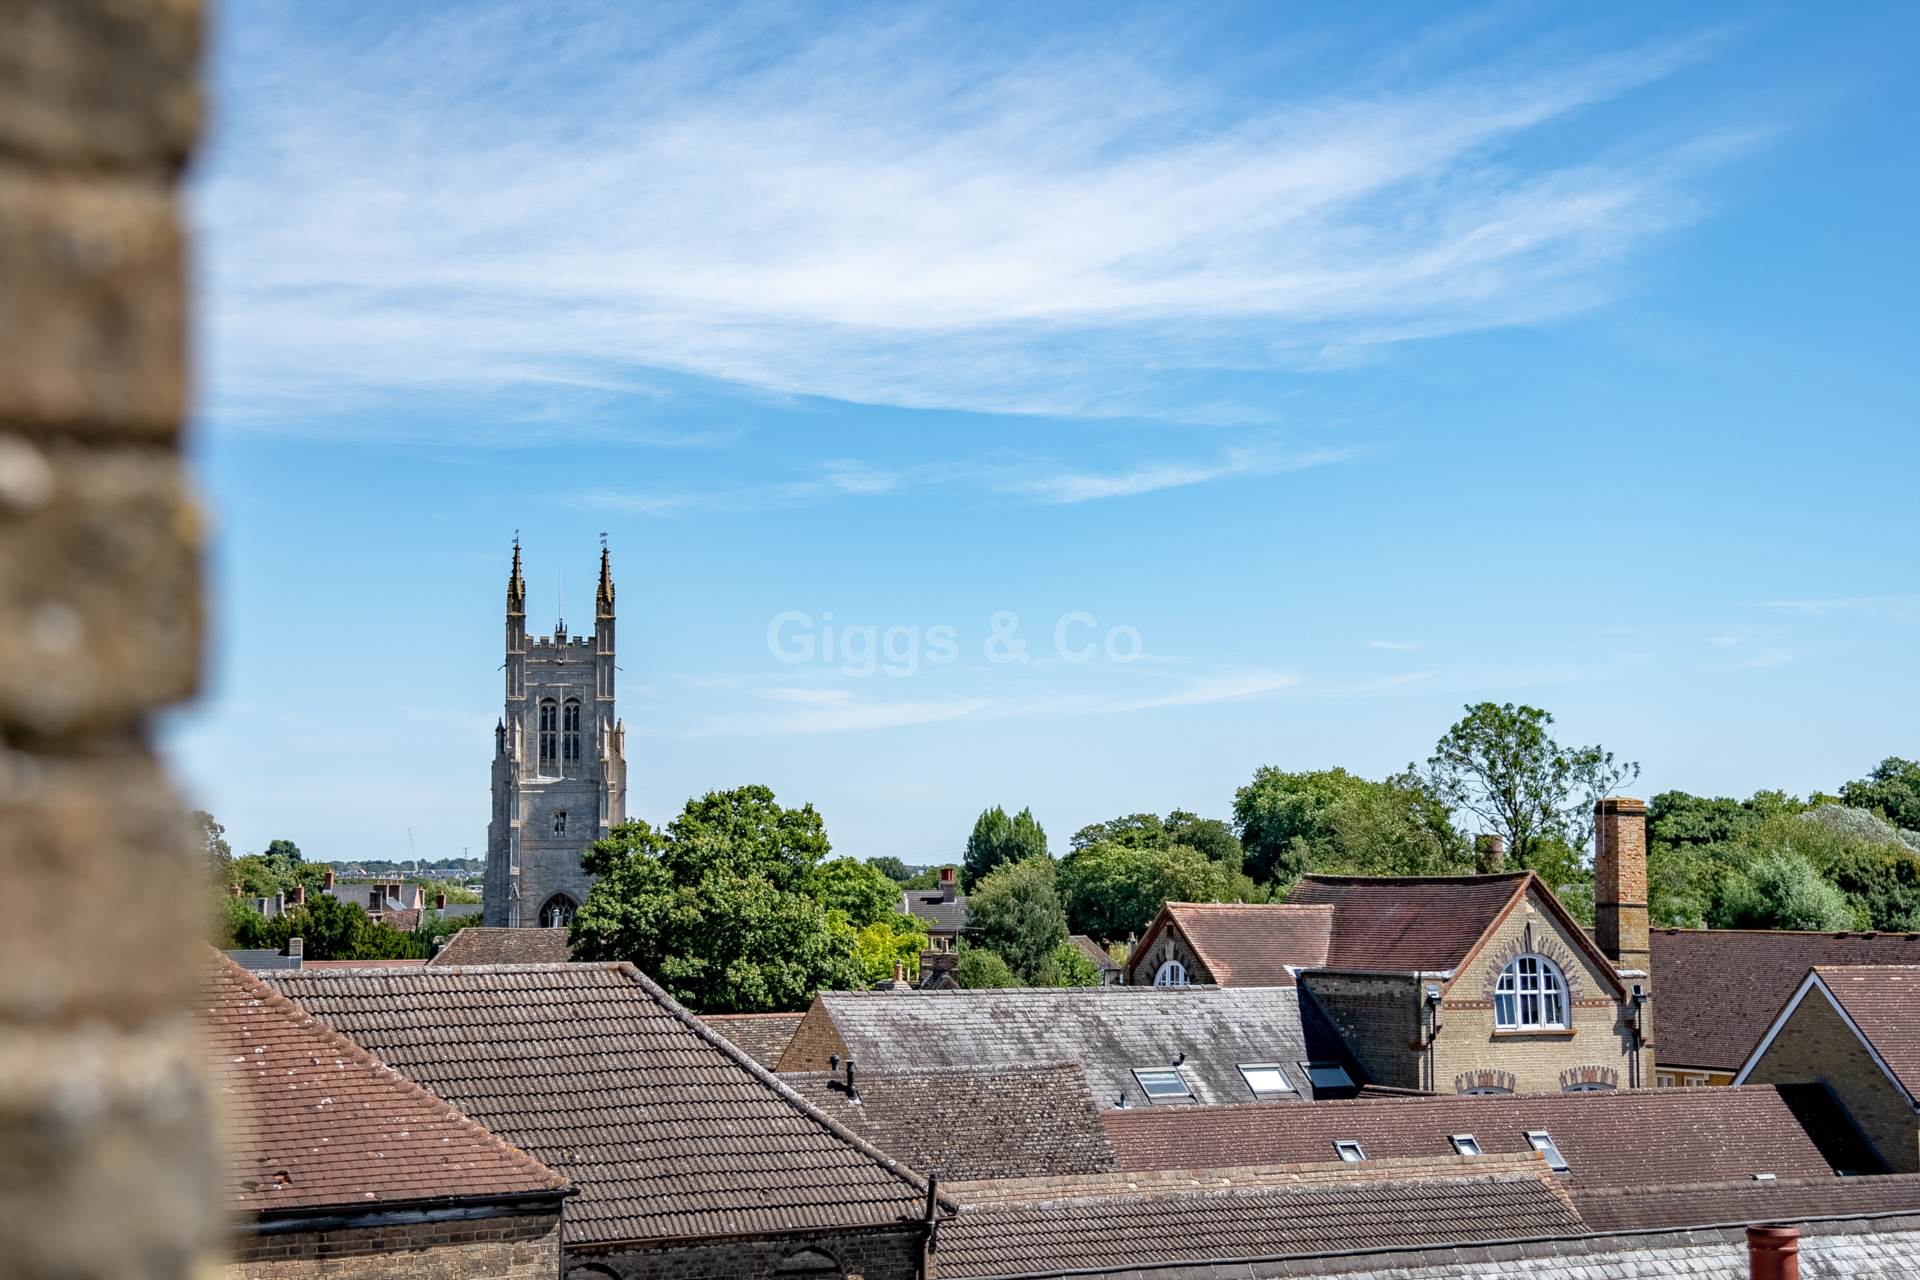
(1465, 1144)
(1265, 1078)
(1162, 1084)
(1349, 1150)
(1327, 1075)
(1540, 1140)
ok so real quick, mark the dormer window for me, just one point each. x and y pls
(1530, 995)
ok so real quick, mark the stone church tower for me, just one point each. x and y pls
(559, 763)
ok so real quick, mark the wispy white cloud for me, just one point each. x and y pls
(1090, 486)
(885, 206)
(1897, 608)
(1395, 646)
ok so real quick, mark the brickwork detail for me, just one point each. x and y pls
(1816, 1044)
(814, 1041)
(106, 1152)
(507, 1248)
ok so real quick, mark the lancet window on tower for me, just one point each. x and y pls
(549, 734)
(571, 721)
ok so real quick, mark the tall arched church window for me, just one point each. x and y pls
(571, 725)
(558, 912)
(1171, 974)
(549, 735)
(1531, 993)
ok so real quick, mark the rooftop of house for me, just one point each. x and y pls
(1191, 1042)
(1609, 1141)
(1094, 951)
(761, 1036)
(1097, 1224)
(1408, 923)
(479, 944)
(971, 1122)
(1716, 990)
(264, 958)
(941, 914)
(1882, 1002)
(317, 1122)
(1249, 944)
(668, 1131)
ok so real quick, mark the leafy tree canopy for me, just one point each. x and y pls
(1332, 820)
(720, 908)
(978, 968)
(1112, 891)
(1015, 912)
(857, 890)
(1780, 890)
(1501, 764)
(892, 868)
(998, 840)
(1072, 967)
(1892, 790)
(882, 944)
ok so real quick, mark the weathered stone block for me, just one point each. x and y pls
(100, 576)
(93, 305)
(100, 83)
(101, 840)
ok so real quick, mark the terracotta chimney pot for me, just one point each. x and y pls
(1773, 1253)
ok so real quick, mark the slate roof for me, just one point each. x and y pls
(262, 958)
(761, 1036)
(1629, 1139)
(1285, 1217)
(317, 1122)
(1403, 923)
(478, 944)
(668, 1131)
(1716, 990)
(971, 1122)
(929, 905)
(1246, 944)
(1109, 1031)
(1883, 1001)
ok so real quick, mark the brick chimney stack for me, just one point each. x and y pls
(1620, 881)
(1489, 852)
(947, 886)
(439, 902)
(299, 895)
(328, 882)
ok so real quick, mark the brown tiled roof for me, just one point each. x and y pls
(971, 1122)
(1284, 1217)
(1884, 1002)
(667, 1130)
(1406, 923)
(1628, 1139)
(480, 944)
(1093, 951)
(761, 1036)
(1786, 1200)
(1716, 990)
(1247, 944)
(317, 1122)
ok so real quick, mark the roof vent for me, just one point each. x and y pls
(1764, 1177)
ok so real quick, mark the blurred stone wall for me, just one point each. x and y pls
(106, 1157)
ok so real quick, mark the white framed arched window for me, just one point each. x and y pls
(1171, 974)
(1531, 994)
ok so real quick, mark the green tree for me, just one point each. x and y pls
(1135, 831)
(1332, 820)
(1781, 890)
(998, 840)
(884, 943)
(215, 849)
(282, 856)
(979, 968)
(892, 868)
(330, 929)
(1113, 890)
(928, 877)
(1212, 837)
(857, 890)
(1892, 790)
(1501, 764)
(1015, 912)
(720, 907)
(1071, 967)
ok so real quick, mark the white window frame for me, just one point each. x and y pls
(1531, 995)
(1248, 1070)
(1327, 1075)
(1349, 1150)
(1142, 1074)
(1171, 974)
(1465, 1144)
(1542, 1141)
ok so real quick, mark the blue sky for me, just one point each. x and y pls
(1317, 370)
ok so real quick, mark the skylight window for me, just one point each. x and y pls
(1465, 1144)
(1162, 1084)
(1265, 1078)
(1540, 1140)
(1349, 1151)
(1328, 1075)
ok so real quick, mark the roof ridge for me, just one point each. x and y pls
(1481, 877)
(1904, 935)
(303, 1018)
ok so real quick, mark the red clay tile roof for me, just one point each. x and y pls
(1404, 923)
(1884, 1002)
(318, 1122)
(971, 1122)
(1283, 1218)
(480, 944)
(668, 1131)
(761, 1036)
(1627, 1139)
(1715, 991)
(1251, 944)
